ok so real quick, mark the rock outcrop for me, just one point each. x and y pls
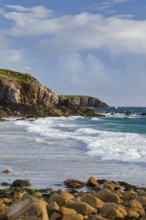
(86, 101)
(23, 95)
(17, 88)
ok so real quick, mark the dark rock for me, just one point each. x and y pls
(74, 183)
(127, 186)
(55, 216)
(20, 183)
(2, 120)
(5, 193)
(5, 184)
(3, 217)
(96, 188)
(143, 114)
(128, 113)
(20, 119)
(101, 181)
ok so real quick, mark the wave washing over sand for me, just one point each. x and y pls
(49, 150)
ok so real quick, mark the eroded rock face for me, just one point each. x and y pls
(23, 96)
(17, 88)
(86, 101)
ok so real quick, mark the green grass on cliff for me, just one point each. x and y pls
(17, 75)
(75, 96)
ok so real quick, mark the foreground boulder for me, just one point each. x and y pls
(81, 207)
(136, 206)
(28, 208)
(92, 201)
(73, 204)
(67, 211)
(60, 200)
(113, 210)
(107, 196)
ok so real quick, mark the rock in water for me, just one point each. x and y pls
(20, 183)
(6, 171)
(74, 183)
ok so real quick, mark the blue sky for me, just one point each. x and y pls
(85, 47)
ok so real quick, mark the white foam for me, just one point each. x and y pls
(83, 131)
(103, 145)
(118, 146)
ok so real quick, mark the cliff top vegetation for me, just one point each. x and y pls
(17, 75)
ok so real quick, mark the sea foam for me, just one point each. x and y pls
(100, 144)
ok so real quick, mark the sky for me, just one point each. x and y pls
(80, 47)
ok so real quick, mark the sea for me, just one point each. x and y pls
(49, 150)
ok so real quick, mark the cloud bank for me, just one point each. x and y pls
(92, 54)
(75, 33)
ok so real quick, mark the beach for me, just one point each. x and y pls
(102, 199)
(74, 168)
(49, 150)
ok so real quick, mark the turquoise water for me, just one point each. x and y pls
(50, 150)
(134, 123)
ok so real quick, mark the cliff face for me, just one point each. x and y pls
(16, 88)
(22, 95)
(86, 101)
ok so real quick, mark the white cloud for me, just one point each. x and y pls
(3, 42)
(30, 21)
(37, 11)
(120, 1)
(9, 56)
(80, 70)
(121, 39)
(123, 84)
(116, 35)
(105, 5)
(13, 56)
(74, 33)
(27, 67)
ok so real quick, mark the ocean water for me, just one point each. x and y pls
(49, 150)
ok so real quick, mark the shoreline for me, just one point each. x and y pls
(103, 199)
(117, 171)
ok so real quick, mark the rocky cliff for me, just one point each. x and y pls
(22, 95)
(86, 101)
(18, 88)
